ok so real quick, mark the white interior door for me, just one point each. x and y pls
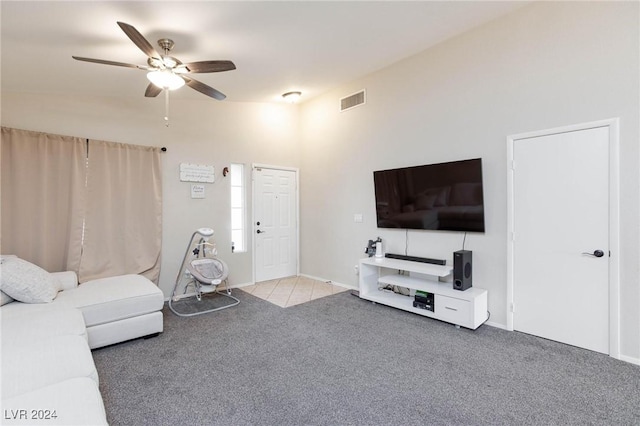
(275, 224)
(561, 237)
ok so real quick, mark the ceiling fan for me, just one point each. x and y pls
(167, 72)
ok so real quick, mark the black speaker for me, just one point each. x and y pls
(462, 269)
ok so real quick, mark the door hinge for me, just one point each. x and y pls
(513, 307)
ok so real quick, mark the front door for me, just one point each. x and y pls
(275, 224)
(561, 237)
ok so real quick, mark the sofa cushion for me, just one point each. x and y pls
(5, 298)
(67, 280)
(115, 298)
(70, 402)
(27, 282)
(30, 365)
(20, 325)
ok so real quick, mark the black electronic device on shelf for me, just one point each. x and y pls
(424, 300)
(416, 259)
(462, 269)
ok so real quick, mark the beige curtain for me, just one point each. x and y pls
(123, 225)
(42, 202)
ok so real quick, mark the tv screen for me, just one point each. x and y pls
(440, 197)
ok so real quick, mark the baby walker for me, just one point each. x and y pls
(205, 273)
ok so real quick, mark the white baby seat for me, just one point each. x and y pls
(208, 271)
(205, 275)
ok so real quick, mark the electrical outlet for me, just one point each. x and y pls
(356, 269)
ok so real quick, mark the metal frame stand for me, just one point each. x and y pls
(205, 233)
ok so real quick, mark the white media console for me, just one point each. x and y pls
(463, 308)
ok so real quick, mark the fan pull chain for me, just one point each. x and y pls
(166, 107)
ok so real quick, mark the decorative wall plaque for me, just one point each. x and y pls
(196, 173)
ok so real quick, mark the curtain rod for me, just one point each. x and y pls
(163, 149)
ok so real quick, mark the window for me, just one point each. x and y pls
(238, 243)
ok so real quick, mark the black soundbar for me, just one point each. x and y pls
(416, 259)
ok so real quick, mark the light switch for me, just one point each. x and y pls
(357, 218)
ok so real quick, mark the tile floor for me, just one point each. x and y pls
(292, 291)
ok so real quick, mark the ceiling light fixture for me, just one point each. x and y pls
(165, 79)
(292, 97)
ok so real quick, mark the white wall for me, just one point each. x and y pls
(202, 132)
(544, 66)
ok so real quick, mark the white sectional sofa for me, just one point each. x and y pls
(48, 373)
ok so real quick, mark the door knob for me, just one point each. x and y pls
(596, 253)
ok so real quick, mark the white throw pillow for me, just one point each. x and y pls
(27, 282)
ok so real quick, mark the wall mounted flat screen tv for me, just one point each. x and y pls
(439, 197)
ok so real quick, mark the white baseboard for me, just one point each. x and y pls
(496, 325)
(181, 296)
(629, 359)
(350, 287)
(241, 285)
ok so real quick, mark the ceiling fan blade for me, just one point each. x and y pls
(139, 40)
(152, 91)
(102, 61)
(203, 88)
(210, 66)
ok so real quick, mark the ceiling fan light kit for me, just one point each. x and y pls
(165, 79)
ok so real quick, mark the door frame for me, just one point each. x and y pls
(613, 124)
(255, 166)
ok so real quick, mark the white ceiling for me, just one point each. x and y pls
(277, 46)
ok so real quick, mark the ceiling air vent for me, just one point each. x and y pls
(352, 101)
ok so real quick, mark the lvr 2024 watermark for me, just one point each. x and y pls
(25, 414)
